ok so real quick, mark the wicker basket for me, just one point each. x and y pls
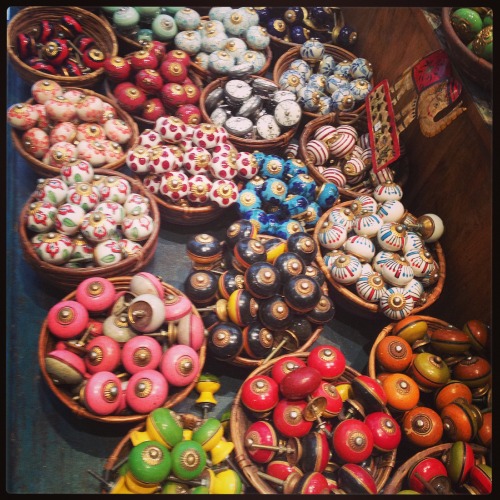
(398, 477)
(68, 278)
(46, 170)
(271, 146)
(432, 323)
(474, 67)
(339, 54)
(239, 421)
(143, 123)
(124, 447)
(347, 298)
(92, 25)
(47, 342)
(359, 123)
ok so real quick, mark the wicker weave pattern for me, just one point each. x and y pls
(68, 278)
(47, 343)
(239, 422)
(92, 25)
(351, 301)
(46, 170)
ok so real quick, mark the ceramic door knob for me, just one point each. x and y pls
(352, 441)
(146, 390)
(102, 393)
(260, 394)
(67, 319)
(180, 365)
(65, 367)
(102, 354)
(141, 353)
(289, 420)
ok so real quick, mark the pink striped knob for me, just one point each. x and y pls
(348, 129)
(67, 319)
(335, 175)
(141, 353)
(102, 393)
(317, 152)
(353, 167)
(324, 133)
(180, 365)
(341, 145)
(146, 390)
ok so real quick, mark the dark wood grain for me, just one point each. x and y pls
(450, 174)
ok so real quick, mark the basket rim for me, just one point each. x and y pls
(237, 421)
(453, 38)
(257, 144)
(132, 263)
(400, 473)
(120, 282)
(48, 170)
(282, 62)
(373, 308)
(432, 323)
(89, 79)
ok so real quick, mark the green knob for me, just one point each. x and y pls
(199, 490)
(150, 462)
(482, 45)
(166, 425)
(209, 433)
(188, 460)
(431, 370)
(467, 23)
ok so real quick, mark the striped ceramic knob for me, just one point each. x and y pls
(324, 133)
(361, 247)
(341, 144)
(343, 216)
(395, 303)
(370, 286)
(332, 236)
(421, 261)
(353, 168)
(335, 175)
(364, 204)
(317, 152)
(397, 271)
(391, 236)
(367, 224)
(346, 269)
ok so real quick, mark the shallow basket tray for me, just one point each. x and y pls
(92, 25)
(396, 482)
(47, 343)
(251, 363)
(271, 146)
(69, 278)
(339, 54)
(239, 422)
(432, 324)
(46, 170)
(353, 303)
(359, 123)
(124, 447)
(476, 68)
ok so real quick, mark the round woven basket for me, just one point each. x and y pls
(46, 170)
(239, 422)
(339, 54)
(346, 296)
(251, 363)
(396, 482)
(124, 447)
(97, 28)
(474, 67)
(271, 146)
(432, 323)
(47, 343)
(359, 123)
(68, 278)
(143, 123)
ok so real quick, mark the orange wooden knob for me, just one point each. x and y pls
(393, 354)
(485, 431)
(459, 422)
(422, 426)
(473, 371)
(450, 392)
(402, 392)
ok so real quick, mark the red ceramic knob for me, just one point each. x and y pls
(189, 113)
(299, 383)
(353, 479)
(313, 483)
(96, 294)
(260, 433)
(173, 95)
(131, 99)
(179, 56)
(328, 360)
(284, 365)
(149, 80)
(102, 393)
(172, 71)
(103, 354)
(146, 390)
(117, 68)
(143, 59)
(385, 430)
(333, 398)
(289, 420)
(428, 468)
(315, 452)
(93, 58)
(281, 469)
(369, 392)
(180, 365)
(141, 353)
(153, 109)
(67, 319)
(480, 476)
(260, 393)
(352, 441)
